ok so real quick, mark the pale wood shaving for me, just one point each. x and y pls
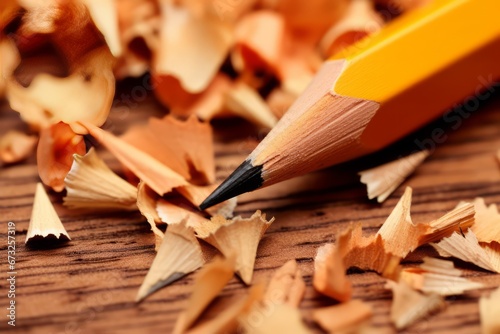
(146, 203)
(439, 277)
(9, 56)
(16, 146)
(55, 151)
(489, 309)
(85, 95)
(329, 274)
(343, 317)
(200, 42)
(209, 281)
(172, 214)
(487, 222)
(105, 17)
(409, 306)
(197, 194)
(155, 174)
(286, 286)
(245, 102)
(91, 184)
(238, 235)
(44, 222)
(468, 249)
(359, 21)
(282, 318)
(460, 218)
(179, 254)
(279, 101)
(381, 181)
(184, 146)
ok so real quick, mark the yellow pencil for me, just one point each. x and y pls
(377, 91)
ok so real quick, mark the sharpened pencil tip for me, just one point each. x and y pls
(244, 179)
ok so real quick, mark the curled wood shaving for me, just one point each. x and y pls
(343, 317)
(155, 174)
(359, 21)
(467, 248)
(439, 277)
(286, 286)
(209, 281)
(55, 152)
(172, 214)
(329, 274)
(16, 146)
(245, 102)
(489, 309)
(282, 318)
(227, 320)
(44, 222)
(85, 95)
(9, 58)
(184, 146)
(240, 236)
(146, 203)
(200, 42)
(197, 194)
(382, 180)
(408, 305)
(179, 254)
(92, 184)
(487, 222)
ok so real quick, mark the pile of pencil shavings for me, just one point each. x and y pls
(210, 59)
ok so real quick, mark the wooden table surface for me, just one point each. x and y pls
(89, 284)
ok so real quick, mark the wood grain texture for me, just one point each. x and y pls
(89, 284)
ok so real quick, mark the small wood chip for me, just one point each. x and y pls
(329, 274)
(155, 174)
(286, 286)
(467, 248)
(282, 318)
(146, 202)
(245, 102)
(240, 236)
(44, 222)
(179, 254)
(438, 277)
(382, 180)
(408, 305)
(489, 309)
(91, 184)
(172, 214)
(16, 146)
(343, 317)
(487, 222)
(209, 282)
(55, 152)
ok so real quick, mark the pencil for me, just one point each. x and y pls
(377, 91)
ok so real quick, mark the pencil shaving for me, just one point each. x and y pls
(156, 175)
(286, 286)
(408, 305)
(91, 184)
(146, 203)
(209, 282)
(329, 274)
(227, 320)
(245, 102)
(16, 146)
(55, 151)
(184, 146)
(172, 214)
(468, 249)
(382, 180)
(179, 254)
(359, 21)
(460, 218)
(343, 317)
(283, 318)
(194, 63)
(197, 194)
(489, 309)
(438, 277)
(240, 236)
(44, 222)
(487, 222)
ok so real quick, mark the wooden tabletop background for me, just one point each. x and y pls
(89, 284)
